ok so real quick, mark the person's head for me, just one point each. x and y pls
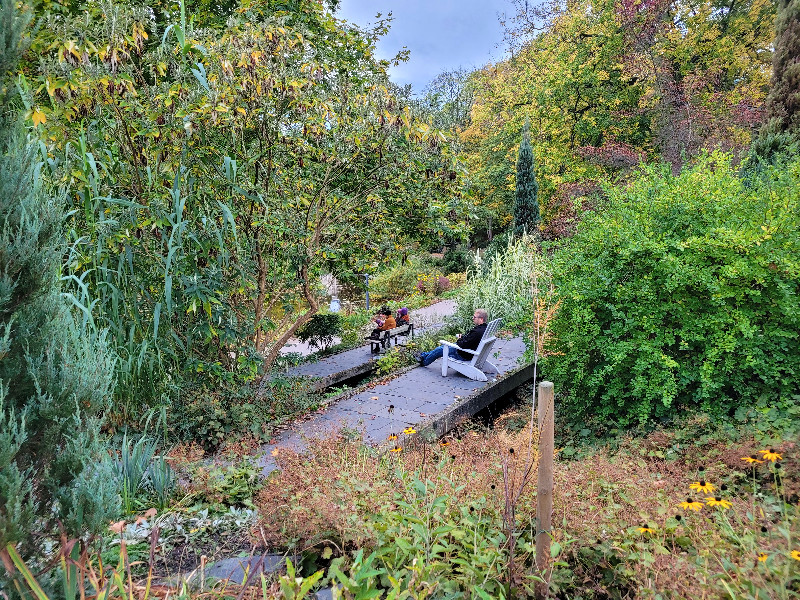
(480, 316)
(385, 311)
(402, 312)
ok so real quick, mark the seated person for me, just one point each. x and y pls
(469, 340)
(384, 321)
(402, 317)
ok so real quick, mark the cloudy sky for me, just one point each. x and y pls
(441, 34)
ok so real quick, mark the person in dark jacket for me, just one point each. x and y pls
(469, 340)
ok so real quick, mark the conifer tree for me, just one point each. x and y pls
(781, 131)
(56, 373)
(526, 203)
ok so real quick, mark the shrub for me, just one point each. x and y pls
(457, 260)
(320, 330)
(393, 283)
(56, 370)
(684, 292)
(503, 286)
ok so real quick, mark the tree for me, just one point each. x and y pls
(782, 127)
(526, 203)
(56, 371)
(216, 173)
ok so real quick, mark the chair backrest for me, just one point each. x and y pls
(486, 343)
(491, 328)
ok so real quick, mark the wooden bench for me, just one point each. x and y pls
(385, 340)
(474, 368)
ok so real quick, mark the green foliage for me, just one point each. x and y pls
(457, 259)
(395, 282)
(503, 285)
(780, 134)
(526, 202)
(216, 171)
(143, 478)
(211, 416)
(320, 330)
(682, 293)
(224, 486)
(56, 370)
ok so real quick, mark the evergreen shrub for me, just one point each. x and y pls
(684, 292)
(320, 330)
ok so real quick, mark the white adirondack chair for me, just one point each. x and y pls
(474, 369)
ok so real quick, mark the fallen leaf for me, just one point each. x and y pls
(117, 527)
(374, 398)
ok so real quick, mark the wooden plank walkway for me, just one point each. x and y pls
(415, 398)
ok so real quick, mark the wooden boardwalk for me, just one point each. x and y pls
(420, 397)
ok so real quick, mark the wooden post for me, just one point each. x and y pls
(544, 491)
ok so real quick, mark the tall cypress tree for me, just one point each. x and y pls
(526, 203)
(781, 132)
(56, 373)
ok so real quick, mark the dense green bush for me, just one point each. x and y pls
(457, 260)
(394, 283)
(683, 292)
(320, 330)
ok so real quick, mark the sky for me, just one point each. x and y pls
(441, 34)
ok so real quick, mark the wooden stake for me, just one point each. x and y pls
(544, 492)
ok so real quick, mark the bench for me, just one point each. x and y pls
(386, 337)
(474, 368)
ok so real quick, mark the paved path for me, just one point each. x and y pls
(423, 318)
(416, 396)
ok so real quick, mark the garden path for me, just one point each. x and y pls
(424, 318)
(413, 399)
(433, 314)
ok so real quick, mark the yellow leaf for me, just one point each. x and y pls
(38, 117)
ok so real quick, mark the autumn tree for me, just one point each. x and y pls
(216, 173)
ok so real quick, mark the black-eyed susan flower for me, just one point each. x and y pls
(752, 460)
(770, 455)
(795, 554)
(702, 486)
(396, 449)
(717, 501)
(444, 443)
(690, 504)
(392, 436)
(409, 430)
(762, 557)
(646, 529)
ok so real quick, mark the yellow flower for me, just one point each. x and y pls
(396, 449)
(392, 436)
(752, 460)
(762, 557)
(770, 455)
(691, 505)
(409, 430)
(702, 486)
(795, 554)
(444, 443)
(645, 530)
(712, 501)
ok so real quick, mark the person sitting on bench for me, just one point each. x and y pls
(402, 317)
(469, 340)
(383, 324)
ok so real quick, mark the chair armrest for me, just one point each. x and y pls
(457, 347)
